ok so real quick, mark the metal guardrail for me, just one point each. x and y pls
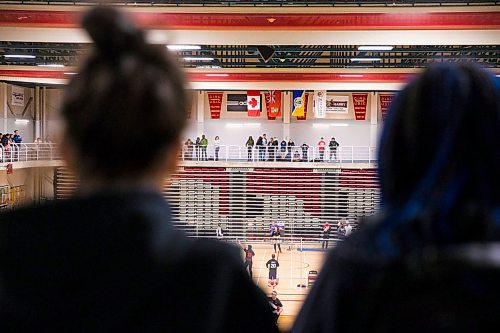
(343, 154)
(26, 152)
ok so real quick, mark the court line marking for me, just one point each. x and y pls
(262, 266)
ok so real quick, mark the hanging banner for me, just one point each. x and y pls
(319, 103)
(236, 103)
(306, 98)
(298, 103)
(337, 104)
(385, 102)
(253, 103)
(17, 96)
(215, 102)
(273, 104)
(360, 101)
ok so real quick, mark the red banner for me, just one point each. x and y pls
(273, 104)
(306, 98)
(385, 102)
(360, 101)
(215, 101)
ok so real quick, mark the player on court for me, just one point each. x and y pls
(249, 254)
(273, 265)
(276, 236)
(276, 305)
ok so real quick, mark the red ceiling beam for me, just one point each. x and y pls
(269, 21)
(244, 77)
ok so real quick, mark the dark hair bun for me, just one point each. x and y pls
(112, 32)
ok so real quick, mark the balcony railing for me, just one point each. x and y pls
(344, 154)
(25, 152)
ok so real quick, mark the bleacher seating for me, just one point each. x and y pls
(246, 202)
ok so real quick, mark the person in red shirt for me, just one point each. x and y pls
(249, 254)
(327, 228)
(321, 148)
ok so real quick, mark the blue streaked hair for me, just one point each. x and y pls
(439, 160)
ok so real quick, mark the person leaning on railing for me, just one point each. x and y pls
(109, 259)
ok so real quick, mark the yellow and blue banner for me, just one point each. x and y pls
(298, 103)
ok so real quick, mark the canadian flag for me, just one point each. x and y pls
(253, 103)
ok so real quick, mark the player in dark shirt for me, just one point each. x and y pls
(276, 305)
(249, 254)
(273, 265)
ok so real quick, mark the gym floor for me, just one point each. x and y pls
(293, 274)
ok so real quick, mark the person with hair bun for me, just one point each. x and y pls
(108, 259)
(429, 262)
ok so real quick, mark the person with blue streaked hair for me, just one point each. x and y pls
(429, 262)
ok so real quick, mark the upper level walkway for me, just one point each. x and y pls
(25, 155)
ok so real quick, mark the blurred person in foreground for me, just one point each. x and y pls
(108, 259)
(429, 262)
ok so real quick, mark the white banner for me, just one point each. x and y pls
(337, 104)
(320, 103)
(17, 96)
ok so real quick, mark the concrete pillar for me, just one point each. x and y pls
(200, 113)
(285, 106)
(3, 96)
(374, 126)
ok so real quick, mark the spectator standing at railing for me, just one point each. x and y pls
(263, 147)
(249, 144)
(283, 150)
(275, 145)
(305, 149)
(290, 146)
(429, 262)
(197, 148)
(270, 149)
(216, 147)
(333, 145)
(188, 150)
(17, 137)
(109, 259)
(321, 149)
(6, 148)
(203, 147)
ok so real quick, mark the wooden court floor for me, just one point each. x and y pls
(294, 266)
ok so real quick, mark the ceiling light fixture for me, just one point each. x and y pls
(374, 48)
(351, 75)
(198, 59)
(19, 56)
(217, 75)
(51, 65)
(366, 59)
(183, 47)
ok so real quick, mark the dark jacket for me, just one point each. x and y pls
(359, 289)
(113, 262)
